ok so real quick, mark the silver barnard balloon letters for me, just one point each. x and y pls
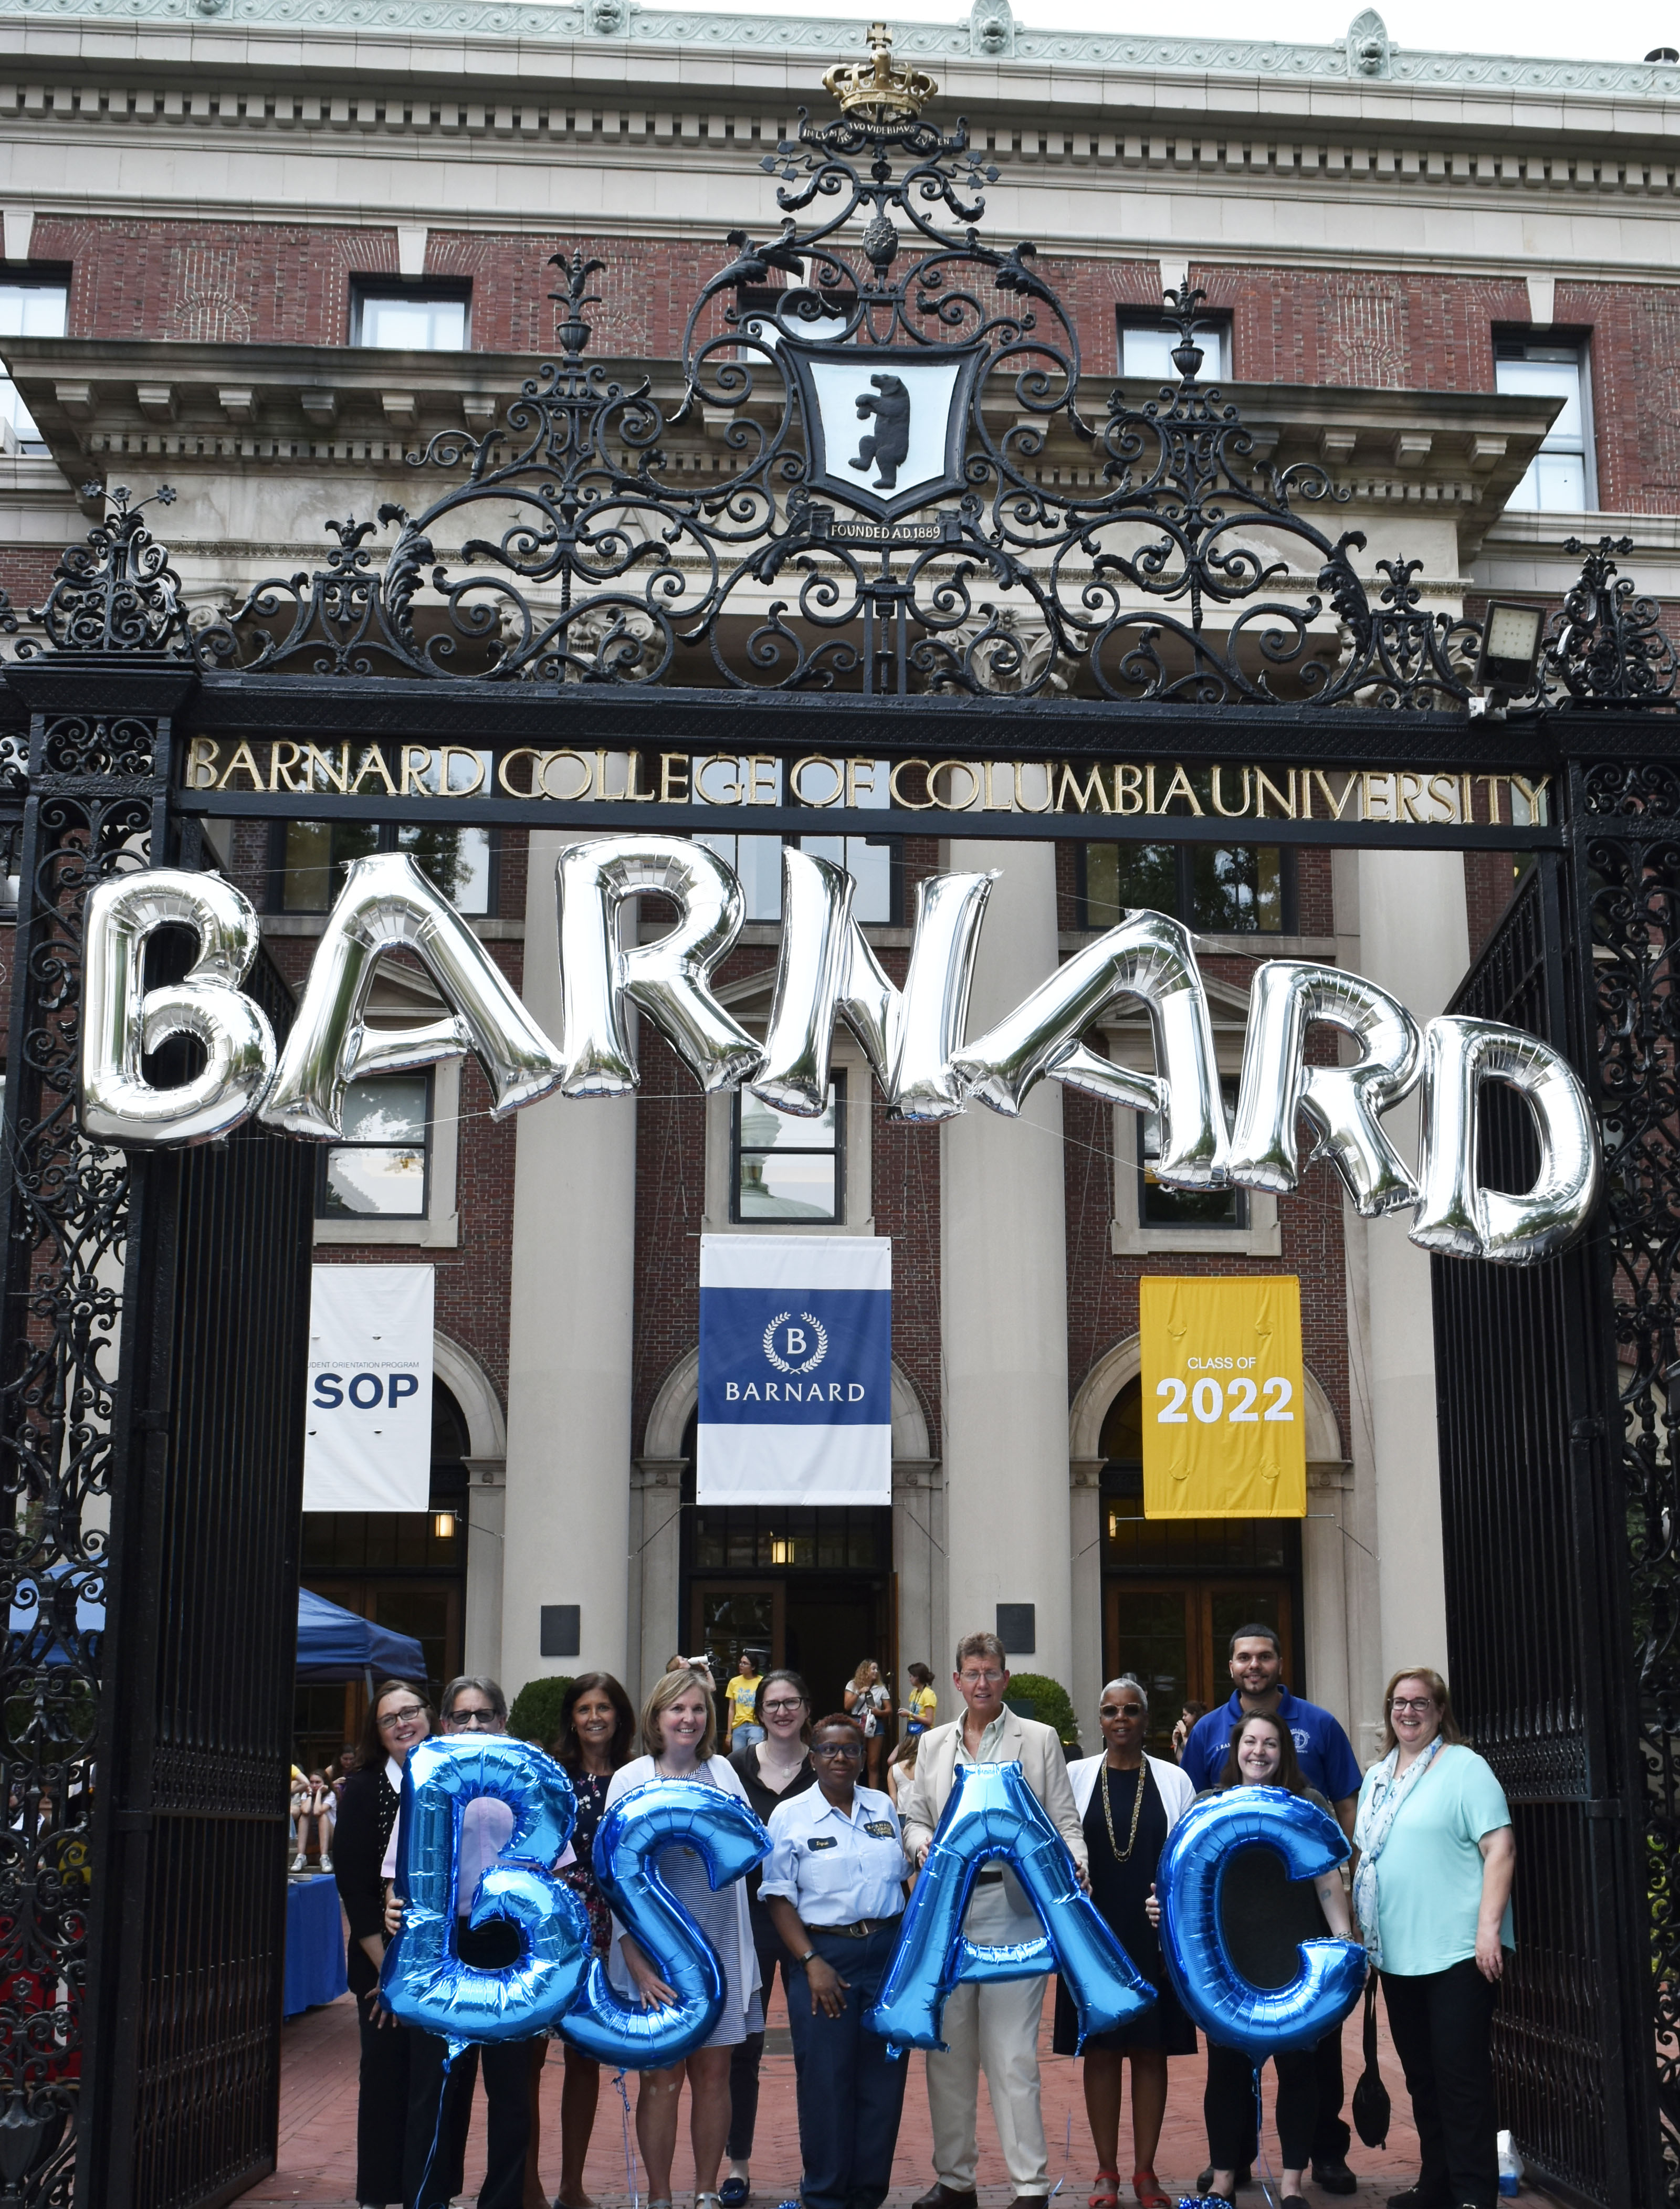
(912, 1036)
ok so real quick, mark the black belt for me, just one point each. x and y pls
(990, 1877)
(860, 1931)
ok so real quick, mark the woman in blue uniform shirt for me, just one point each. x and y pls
(833, 1883)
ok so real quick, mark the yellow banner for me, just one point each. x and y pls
(1224, 1431)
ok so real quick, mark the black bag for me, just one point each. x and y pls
(1370, 2095)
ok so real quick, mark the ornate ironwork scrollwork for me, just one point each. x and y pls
(1606, 646)
(116, 591)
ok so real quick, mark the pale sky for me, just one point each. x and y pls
(1540, 28)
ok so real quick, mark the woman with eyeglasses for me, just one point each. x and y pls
(772, 1769)
(679, 1732)
(833, 1882)
(1129, 1802)
(398, 1716)
(1434, 1857)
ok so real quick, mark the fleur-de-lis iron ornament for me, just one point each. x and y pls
(117, 591)
(1606, 646)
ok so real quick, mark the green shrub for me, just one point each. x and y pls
(535, 1715)
(1052, 1706)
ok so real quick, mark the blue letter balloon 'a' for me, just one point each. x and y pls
(667, 1813)
(1227, 2006)
(423, 1980)
(992, 1813)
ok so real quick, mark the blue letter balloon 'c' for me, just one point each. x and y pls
(992, 1813)
(424, 1980)
(666, 1814)
(1227, 2006)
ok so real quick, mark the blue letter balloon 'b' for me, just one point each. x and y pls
(424, 1980)
(666, 1814)
(1228, 2008)
(991, 1813)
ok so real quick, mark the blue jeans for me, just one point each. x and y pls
(746, 1737)
(851, 2091)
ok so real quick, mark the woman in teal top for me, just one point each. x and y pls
(1434, 1859)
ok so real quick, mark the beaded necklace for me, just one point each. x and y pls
(1122, 1856)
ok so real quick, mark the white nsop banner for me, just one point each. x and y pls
(367, 1443)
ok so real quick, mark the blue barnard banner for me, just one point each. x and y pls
(795, 1357)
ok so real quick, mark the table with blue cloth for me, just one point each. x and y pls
(314, 1944)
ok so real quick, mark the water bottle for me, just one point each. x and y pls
(1510, 2165)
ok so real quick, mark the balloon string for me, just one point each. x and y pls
(438, 2126)
(1067, 2157)
(631, 2186)
(1261, 2156)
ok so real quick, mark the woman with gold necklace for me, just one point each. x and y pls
(1129, 1803)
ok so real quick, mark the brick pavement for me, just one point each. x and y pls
(318, 2113)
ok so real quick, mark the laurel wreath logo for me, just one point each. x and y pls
(781, 1364)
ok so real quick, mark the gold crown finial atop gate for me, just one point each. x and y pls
(882, 89)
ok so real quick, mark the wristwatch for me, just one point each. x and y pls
(802, 1960)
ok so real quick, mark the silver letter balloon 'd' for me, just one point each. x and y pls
(1458, 1217)
(1149, 957)
(387, 905)
(122, 1020)
(668, 980)
(1342, 1103)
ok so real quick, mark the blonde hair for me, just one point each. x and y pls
(1438, 1687)
(860, 1678)
(667, 1689)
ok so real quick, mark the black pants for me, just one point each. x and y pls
(382, 2107)
(748, 2053)
(1442, 2024)
(1228, 2106)
(1330, 2133)
(437, 2138)
(851, 2090)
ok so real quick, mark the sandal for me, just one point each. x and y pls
(735, 2192)
(1107, 2195)
(1147, 2188)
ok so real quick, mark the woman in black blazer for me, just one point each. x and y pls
(398, 1716)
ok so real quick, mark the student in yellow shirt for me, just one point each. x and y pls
(918, 1712)
(741, 1704)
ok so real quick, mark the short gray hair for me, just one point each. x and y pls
(1128, 1680)
(486, 1687)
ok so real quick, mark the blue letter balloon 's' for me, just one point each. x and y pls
(1228, 2008)
(641, 1826)
(423, 1980)
(992, 1813)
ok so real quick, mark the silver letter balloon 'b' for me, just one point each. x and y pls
(1456, 1215)
(668, 979)
(387, 905)
(1341, 1102)
(122, 1020)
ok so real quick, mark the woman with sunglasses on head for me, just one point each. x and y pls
(398, 1716)
(833, 1882)
(1129, 1802)
(679, 1732)
(772, 1769)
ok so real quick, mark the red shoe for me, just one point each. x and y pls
(1147, 2188)
(1107, 2195)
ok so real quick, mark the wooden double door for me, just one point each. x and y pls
(1174, 1635)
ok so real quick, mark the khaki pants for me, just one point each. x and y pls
(995, 2028)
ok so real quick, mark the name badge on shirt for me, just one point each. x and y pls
(881, 1828)
(825, 1841)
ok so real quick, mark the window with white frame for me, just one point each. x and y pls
(787, 1167)
(380, 1169)
(29, 308)
(756, 860)
(1193, 1209)
(1560, 477)
(411, 320)
(1145, 348)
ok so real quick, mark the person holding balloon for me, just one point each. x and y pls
(1436, 1856)
(1265, 1916)
(679, 1733)
(1130, 1804)
(833, 1883)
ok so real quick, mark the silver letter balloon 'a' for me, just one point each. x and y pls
(122, 1020)
(1456, 1215)
(1342, 1103)
(668, 980)
(1148, 957)
(387, 905)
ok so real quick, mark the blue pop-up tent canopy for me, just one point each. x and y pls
(333, 1644)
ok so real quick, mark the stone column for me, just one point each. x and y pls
(655, 1632)
(1414, 941)
(1085, 1501)
(486, 1534)
(1004, 1304)
(918, 1564)
(568, 1347)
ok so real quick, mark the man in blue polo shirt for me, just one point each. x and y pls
(1328, 1762)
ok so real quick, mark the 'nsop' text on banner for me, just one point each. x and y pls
(1224, 1408)
(796, 1355)
(367, 1434)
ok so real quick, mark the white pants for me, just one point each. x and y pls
(995, 2027)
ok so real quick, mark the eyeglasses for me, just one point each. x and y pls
(1413, 1703)
(459, 1717)
(406, 1716)
(1122, 1711)
(981, 1679)
(850, 1748)
(780, 1709)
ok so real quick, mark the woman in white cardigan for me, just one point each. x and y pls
(1128, 1803)
(679, 1732)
